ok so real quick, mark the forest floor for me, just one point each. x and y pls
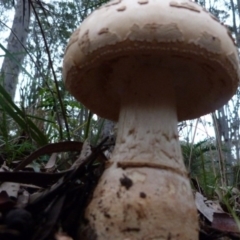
(49, 203)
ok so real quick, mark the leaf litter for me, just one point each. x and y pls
(50, 204)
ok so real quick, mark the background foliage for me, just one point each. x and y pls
(35, 108)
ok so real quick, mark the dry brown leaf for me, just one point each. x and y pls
(225, 223)
(62, 236)
(206, 211)
(215, 205)
(11, 188)
(86, 152)
(51, 162)
(23, 199)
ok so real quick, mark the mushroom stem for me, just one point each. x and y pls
(147, 130)
(145, 193)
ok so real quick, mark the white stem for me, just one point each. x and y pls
(147, 131)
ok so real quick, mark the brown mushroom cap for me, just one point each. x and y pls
(182, 36)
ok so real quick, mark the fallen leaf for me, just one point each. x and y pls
(62, 236)
(52, 160)
(85, 152)
(11, 188)
(202, 207)
(225, 223)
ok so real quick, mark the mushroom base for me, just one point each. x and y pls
(142, 203)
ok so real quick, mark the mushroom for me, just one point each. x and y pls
(148, 64)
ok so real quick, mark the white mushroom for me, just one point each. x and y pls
(148, 64)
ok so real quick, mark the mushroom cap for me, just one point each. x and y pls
(184, 38)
